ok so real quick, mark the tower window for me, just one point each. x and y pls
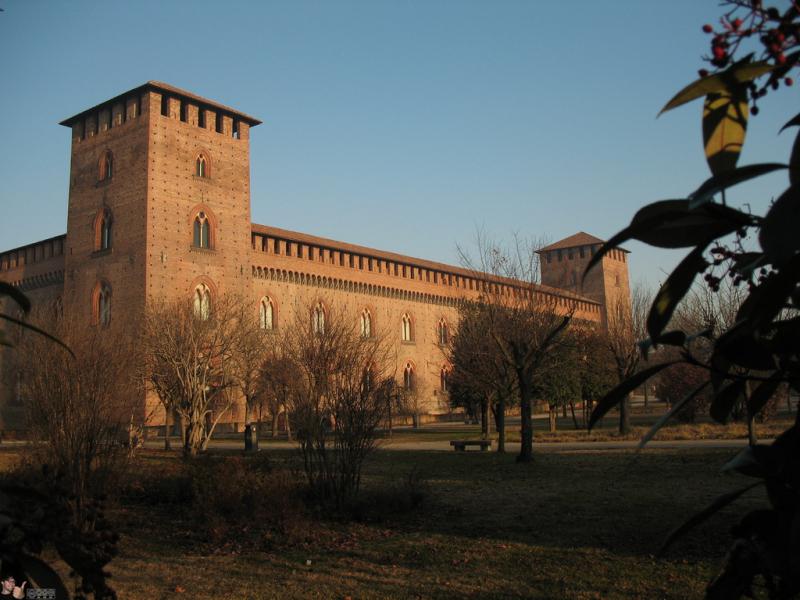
(318, 319)
(366, 324)
(101, 308)
(443, 379)
(202, 302)
(106, 166)
(201, 118)
(266, 313)
(406, 331)
(164, 105)
(408, 377)
(201, 166)
(219, 122)
(202, 231)
(103, 230)
(441, 332)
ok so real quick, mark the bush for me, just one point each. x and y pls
(398, 498)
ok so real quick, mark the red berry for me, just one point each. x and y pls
(708, 28)
(754, 111)
(703, 73)
(781, 59)
(719, 52)
(788, 81)
(737, 23)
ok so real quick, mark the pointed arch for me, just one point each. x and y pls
(266, 314)
(105, 166)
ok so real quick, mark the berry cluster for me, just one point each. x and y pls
(778, 34)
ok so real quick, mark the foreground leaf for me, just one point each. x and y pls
(704, 514)
(673, 290)
(724, 400)
(612, 398)
(724, 127)
(778, 236)
(727, 179)
(725, 81)
(674, 409)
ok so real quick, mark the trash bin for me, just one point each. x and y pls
(248, 438)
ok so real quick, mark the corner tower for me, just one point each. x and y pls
(563, 263)
(159, 202)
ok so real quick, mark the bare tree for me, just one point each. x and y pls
(626, 326)
(525, 320)
(339, 399)
(277, 378)
(188, 357)
(249, 352)
(480, 374)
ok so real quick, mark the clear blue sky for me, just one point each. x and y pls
(402, 125)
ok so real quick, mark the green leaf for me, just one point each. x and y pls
(779, 236)
(727, 179)
(704, 514)
(724, 400)
(615, 396)
(674, 409)
(673, 290)
(725, 117)
(39, 574)
(725, 81)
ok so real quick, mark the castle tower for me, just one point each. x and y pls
(159, 202)
(563, 263)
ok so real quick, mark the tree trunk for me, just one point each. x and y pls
(288, 427)
(275, 415)
(564, 411)
(574, 418)
(500, 424)
(752, 439)
(485, 418)
(167, 445)
(526, 426)
(624, 415)
(553, 414)
(646, 394)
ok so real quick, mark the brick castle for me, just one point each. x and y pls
(159, 207)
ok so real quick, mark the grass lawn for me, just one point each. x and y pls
(569, 525)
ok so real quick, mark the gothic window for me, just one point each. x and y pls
(202, 301)
(201, 166)
(106, 166)
(318, 319)
(441, 332)
(202, 231)
(366, 324)
(104, 231)
(408, 377)
(443, 379)
(266, 313)
(406, 332)
(101, 308)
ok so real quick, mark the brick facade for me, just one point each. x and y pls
(153, 137)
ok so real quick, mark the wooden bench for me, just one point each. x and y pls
(461, 445)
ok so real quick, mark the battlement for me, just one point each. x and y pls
(166, 100)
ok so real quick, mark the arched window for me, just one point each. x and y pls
(441, 332)
(406, 333)
(444, 376)
(318, 319)
(202, 301)
(201, 166)
(102, 304)
(105, 231)
(408, 377)
(103, 225)
(266, 313)
(106, 166)
(366, 324)
(202, 231)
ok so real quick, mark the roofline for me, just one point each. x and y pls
(410, 260)
(170, 89)
(18, 248)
